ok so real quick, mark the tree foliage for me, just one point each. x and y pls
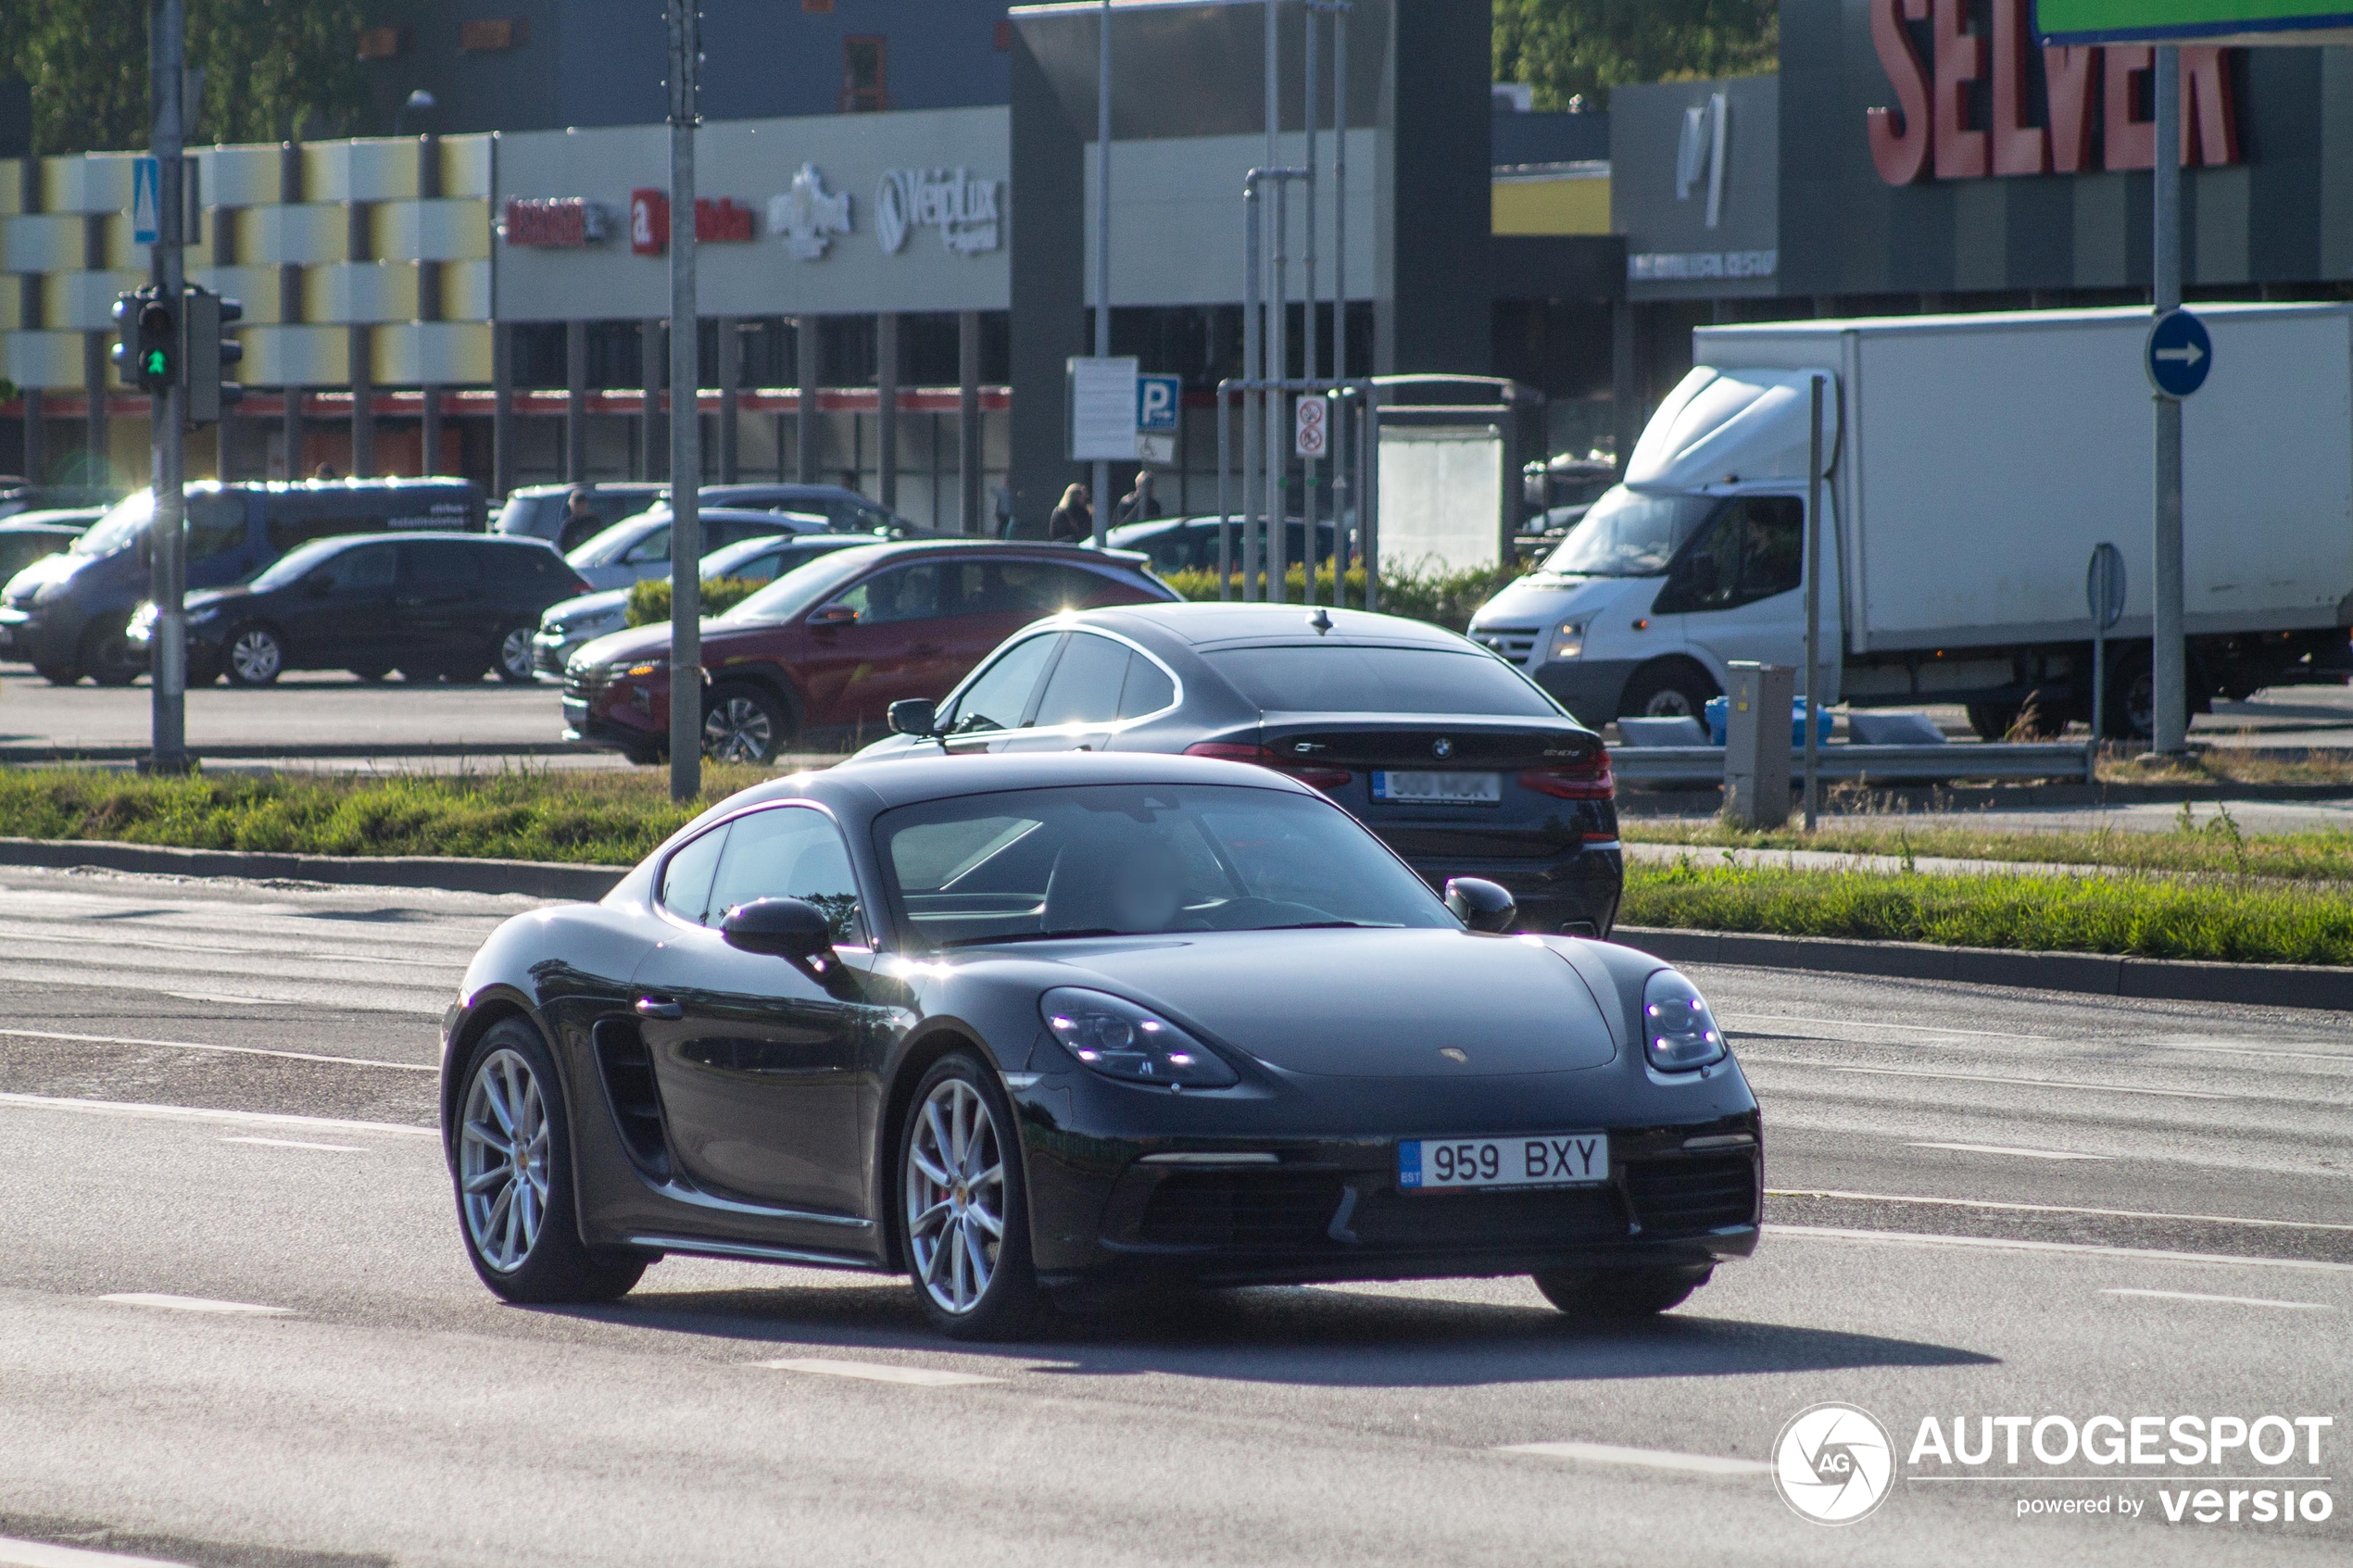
(1566, 47)
(271, 67)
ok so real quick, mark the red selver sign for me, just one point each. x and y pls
(1932, 120)
(559, 223)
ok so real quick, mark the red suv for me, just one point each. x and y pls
(819, 655)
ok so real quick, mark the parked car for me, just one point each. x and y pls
(845, 510)
(1189, 543)
(66, 614)
(818, 656)
(568, 626)
(432, 605)
(20, 495)
(1081, 1024)
(638, 548)
(544, 511)
(1460, 762)
(28, 537)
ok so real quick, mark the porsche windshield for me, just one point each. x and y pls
(1105, 859)
(1626, 534)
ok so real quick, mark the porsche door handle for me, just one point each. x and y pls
(659, 1006)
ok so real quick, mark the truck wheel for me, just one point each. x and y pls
(1671, 688)
(1992, 721)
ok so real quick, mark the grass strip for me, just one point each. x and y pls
(2141, 917)
(2215, 847)
(520, 814)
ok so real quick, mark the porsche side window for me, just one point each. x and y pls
(1147, 688)
(790, 852)
(1000, 697)
(686, 882)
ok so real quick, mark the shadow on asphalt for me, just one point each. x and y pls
(1317, 1337)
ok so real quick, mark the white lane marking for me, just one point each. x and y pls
(2058, 1209)
(2082, 1248)
(875, 1371)
(194, 1304)
(2227, 1300)
(40, 1554)
(198, 1113)
(207, 1046)
(115, 939)
(1655, 1459)
(292, 1143)
(227, 999)
(1995, 1078)
(1905, 1031)
(2004, 1148)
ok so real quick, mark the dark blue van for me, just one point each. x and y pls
(65, 615)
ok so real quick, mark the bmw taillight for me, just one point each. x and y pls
(1320, 775)
(1586, 779)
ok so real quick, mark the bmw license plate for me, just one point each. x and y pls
(1545, 1160)
(1437, 789)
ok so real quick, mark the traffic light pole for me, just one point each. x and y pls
(168, 547)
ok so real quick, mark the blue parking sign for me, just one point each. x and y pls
(1156, 401)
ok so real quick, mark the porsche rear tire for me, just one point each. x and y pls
(1621, 1294)
(964, 1205)
(513, 1178)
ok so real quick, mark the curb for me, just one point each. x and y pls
(1967, 797)
(2099, 974)
(538, 879)
(44, 756)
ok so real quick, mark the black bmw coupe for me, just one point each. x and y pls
(1029, 1028)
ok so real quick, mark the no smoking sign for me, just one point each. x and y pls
(1309, 431)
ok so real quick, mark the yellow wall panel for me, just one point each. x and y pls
(1570, 206)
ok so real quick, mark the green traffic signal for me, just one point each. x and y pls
(156, 365)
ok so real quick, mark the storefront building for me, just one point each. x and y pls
(1930, 157)
(896, 258)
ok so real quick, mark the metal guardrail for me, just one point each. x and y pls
(1656, 766)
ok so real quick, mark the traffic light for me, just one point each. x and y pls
(210, 355)
(149, 353)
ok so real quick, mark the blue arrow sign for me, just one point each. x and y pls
(2179, 354)
(146, 200)
(1156, 401)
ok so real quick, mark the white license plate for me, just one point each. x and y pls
(1439, 789)
(1538, 1159)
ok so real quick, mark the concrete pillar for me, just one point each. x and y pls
(99, 469)
(35, 460)
(970, 516)
(363, 402)
(886, 408)
(806, 373)
(1756, 742)
(731, 373)
(429, 442)
(502, 407)
(575, 401)
(291, 415)
(1626, 382)
(653, 444)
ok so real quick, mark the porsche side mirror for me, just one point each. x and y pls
(832, 615)
(786, 928)
(917, 716)
(1480, 904)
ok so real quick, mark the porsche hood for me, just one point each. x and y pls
(1363, 1004)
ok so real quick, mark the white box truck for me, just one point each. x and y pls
(1973, 463)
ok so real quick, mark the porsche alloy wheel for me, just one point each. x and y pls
(513, 1179)
(965, 1206)
(502, 1161)
(955, 1196)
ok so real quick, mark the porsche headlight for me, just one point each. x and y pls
(1679, 1033)
(1569, 641)
(1119, 1039)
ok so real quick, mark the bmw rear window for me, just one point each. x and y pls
(1346, 678)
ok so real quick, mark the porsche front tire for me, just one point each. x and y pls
(964, 1205)
(513, 1178)
(1621, 1294)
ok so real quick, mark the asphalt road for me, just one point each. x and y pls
(1986, 1203)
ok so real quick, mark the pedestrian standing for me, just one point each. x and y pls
(1073, 521)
